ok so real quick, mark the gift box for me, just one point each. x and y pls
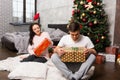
(100, 59)
(111, 50)
(118, 56)
(42, 46)
(110, 57)
(73, 54)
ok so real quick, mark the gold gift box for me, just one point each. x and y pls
(73, 54)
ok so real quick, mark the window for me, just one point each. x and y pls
(23, 11)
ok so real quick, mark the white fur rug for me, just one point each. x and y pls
(34, 70)
(30, 70)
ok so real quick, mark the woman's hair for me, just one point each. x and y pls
(73, 26)
(31, 34)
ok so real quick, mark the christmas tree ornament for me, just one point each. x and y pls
(91, 12)
(95, 22)
(78, 18)
(103, 37)
(94, 12)
(78, 11)
(99, 34)
(81, 26)
(88, 33)
(81, 2)
(89, 0)
(89, 6)
(97, 40)
(73, 12)
(83, 14)
(84, 20)
(118, 61)
(95, 3)
(98, 3)
(90, 24)
(75, 6)
(81, 17)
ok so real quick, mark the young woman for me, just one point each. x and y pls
(36, 37)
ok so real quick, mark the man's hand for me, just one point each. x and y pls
(86, 51)
(90, 51)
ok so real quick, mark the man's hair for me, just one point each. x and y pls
(74, 26)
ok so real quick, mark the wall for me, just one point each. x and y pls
(54, 11)
(59, 11)
(6, 18)
(110, 8)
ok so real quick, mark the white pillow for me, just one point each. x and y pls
(29, 70)
(57, 34)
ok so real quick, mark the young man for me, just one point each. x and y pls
(74, 39)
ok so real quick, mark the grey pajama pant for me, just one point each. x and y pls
(68, 73)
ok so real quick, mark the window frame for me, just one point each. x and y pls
(24, 15)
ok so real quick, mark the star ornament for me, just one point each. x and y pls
(89, 6)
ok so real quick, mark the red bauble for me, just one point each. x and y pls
(90, 24)
(84, 20)
(78, 11)
(97, 40)
(73, 12)
(95, 3)
(91, 12)
(81, 26)
(89, 0)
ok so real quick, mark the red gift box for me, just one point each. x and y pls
(118, 56)
(111, 50)
(100, 59)
(42, 46)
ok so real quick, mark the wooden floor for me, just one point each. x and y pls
(106, 71)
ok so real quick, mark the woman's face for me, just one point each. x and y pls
(36, 29)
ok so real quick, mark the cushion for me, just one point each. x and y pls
(50, 30)
(29, 70)
(57, 34)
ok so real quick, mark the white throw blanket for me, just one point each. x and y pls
(20, 39)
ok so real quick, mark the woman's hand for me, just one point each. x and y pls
(60, 51)
(24, 56)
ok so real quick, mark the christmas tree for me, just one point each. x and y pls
(93, 21)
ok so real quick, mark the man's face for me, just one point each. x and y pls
(75, 35)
